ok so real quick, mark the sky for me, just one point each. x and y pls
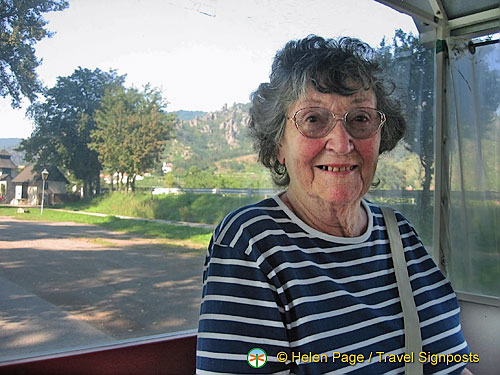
(200, 54)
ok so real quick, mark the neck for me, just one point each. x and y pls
(349, 220)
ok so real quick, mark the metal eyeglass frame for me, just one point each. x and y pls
(336, 118)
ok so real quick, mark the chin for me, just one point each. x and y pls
(340, 197)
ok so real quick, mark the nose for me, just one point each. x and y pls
(339, 140)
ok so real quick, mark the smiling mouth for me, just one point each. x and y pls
(336, 169)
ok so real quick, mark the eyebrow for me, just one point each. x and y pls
(312, 102)
(361, 100)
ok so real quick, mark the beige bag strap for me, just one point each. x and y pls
(413, 339)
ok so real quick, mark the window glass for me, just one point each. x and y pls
(473, 156)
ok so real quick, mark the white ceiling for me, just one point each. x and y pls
(457, 17)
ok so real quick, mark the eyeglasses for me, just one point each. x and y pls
(317, 122)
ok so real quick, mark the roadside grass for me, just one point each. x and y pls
(190, 237)
(101, 241)
(197, 208)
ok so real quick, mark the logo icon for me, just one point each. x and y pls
(256, 357)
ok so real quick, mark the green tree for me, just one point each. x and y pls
(131, 132)
(199, 178)
(107, 139)
(390, 176)
(21, 27)
(64, 122)
(170, 181)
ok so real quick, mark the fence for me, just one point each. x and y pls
(264, 192)
(372, 194)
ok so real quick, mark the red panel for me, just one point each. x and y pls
(172, 355)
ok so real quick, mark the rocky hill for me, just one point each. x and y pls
(206, 139)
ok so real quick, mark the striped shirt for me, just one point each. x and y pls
(273, 282)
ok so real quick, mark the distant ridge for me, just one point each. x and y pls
(10, 144)
(189, 115)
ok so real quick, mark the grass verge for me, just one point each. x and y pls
(172, 234)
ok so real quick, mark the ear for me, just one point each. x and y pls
(281, 154)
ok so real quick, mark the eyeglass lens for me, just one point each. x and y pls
(315, 122)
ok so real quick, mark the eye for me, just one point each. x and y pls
(362, 117)
(312, 116)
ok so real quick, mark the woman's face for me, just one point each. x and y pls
(338, 169)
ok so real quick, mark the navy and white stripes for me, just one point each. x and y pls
(273, 282)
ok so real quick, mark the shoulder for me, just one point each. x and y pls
(252, 218)
(413, 245)
(233, 239)
(405, 227)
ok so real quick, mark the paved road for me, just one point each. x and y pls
(67, 285)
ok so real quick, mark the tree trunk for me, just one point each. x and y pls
(86, 189)
(120, 182)
(132, 183)
(425, 201)
(98, 183)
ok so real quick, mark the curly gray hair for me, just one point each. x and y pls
(342, 66)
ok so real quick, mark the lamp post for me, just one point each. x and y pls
(45, 174)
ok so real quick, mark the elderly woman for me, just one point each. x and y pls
(304, 282)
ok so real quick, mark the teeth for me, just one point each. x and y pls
(335, 169)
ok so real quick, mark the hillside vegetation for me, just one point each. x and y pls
(214, 136)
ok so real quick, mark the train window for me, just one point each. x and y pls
(204, 55)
